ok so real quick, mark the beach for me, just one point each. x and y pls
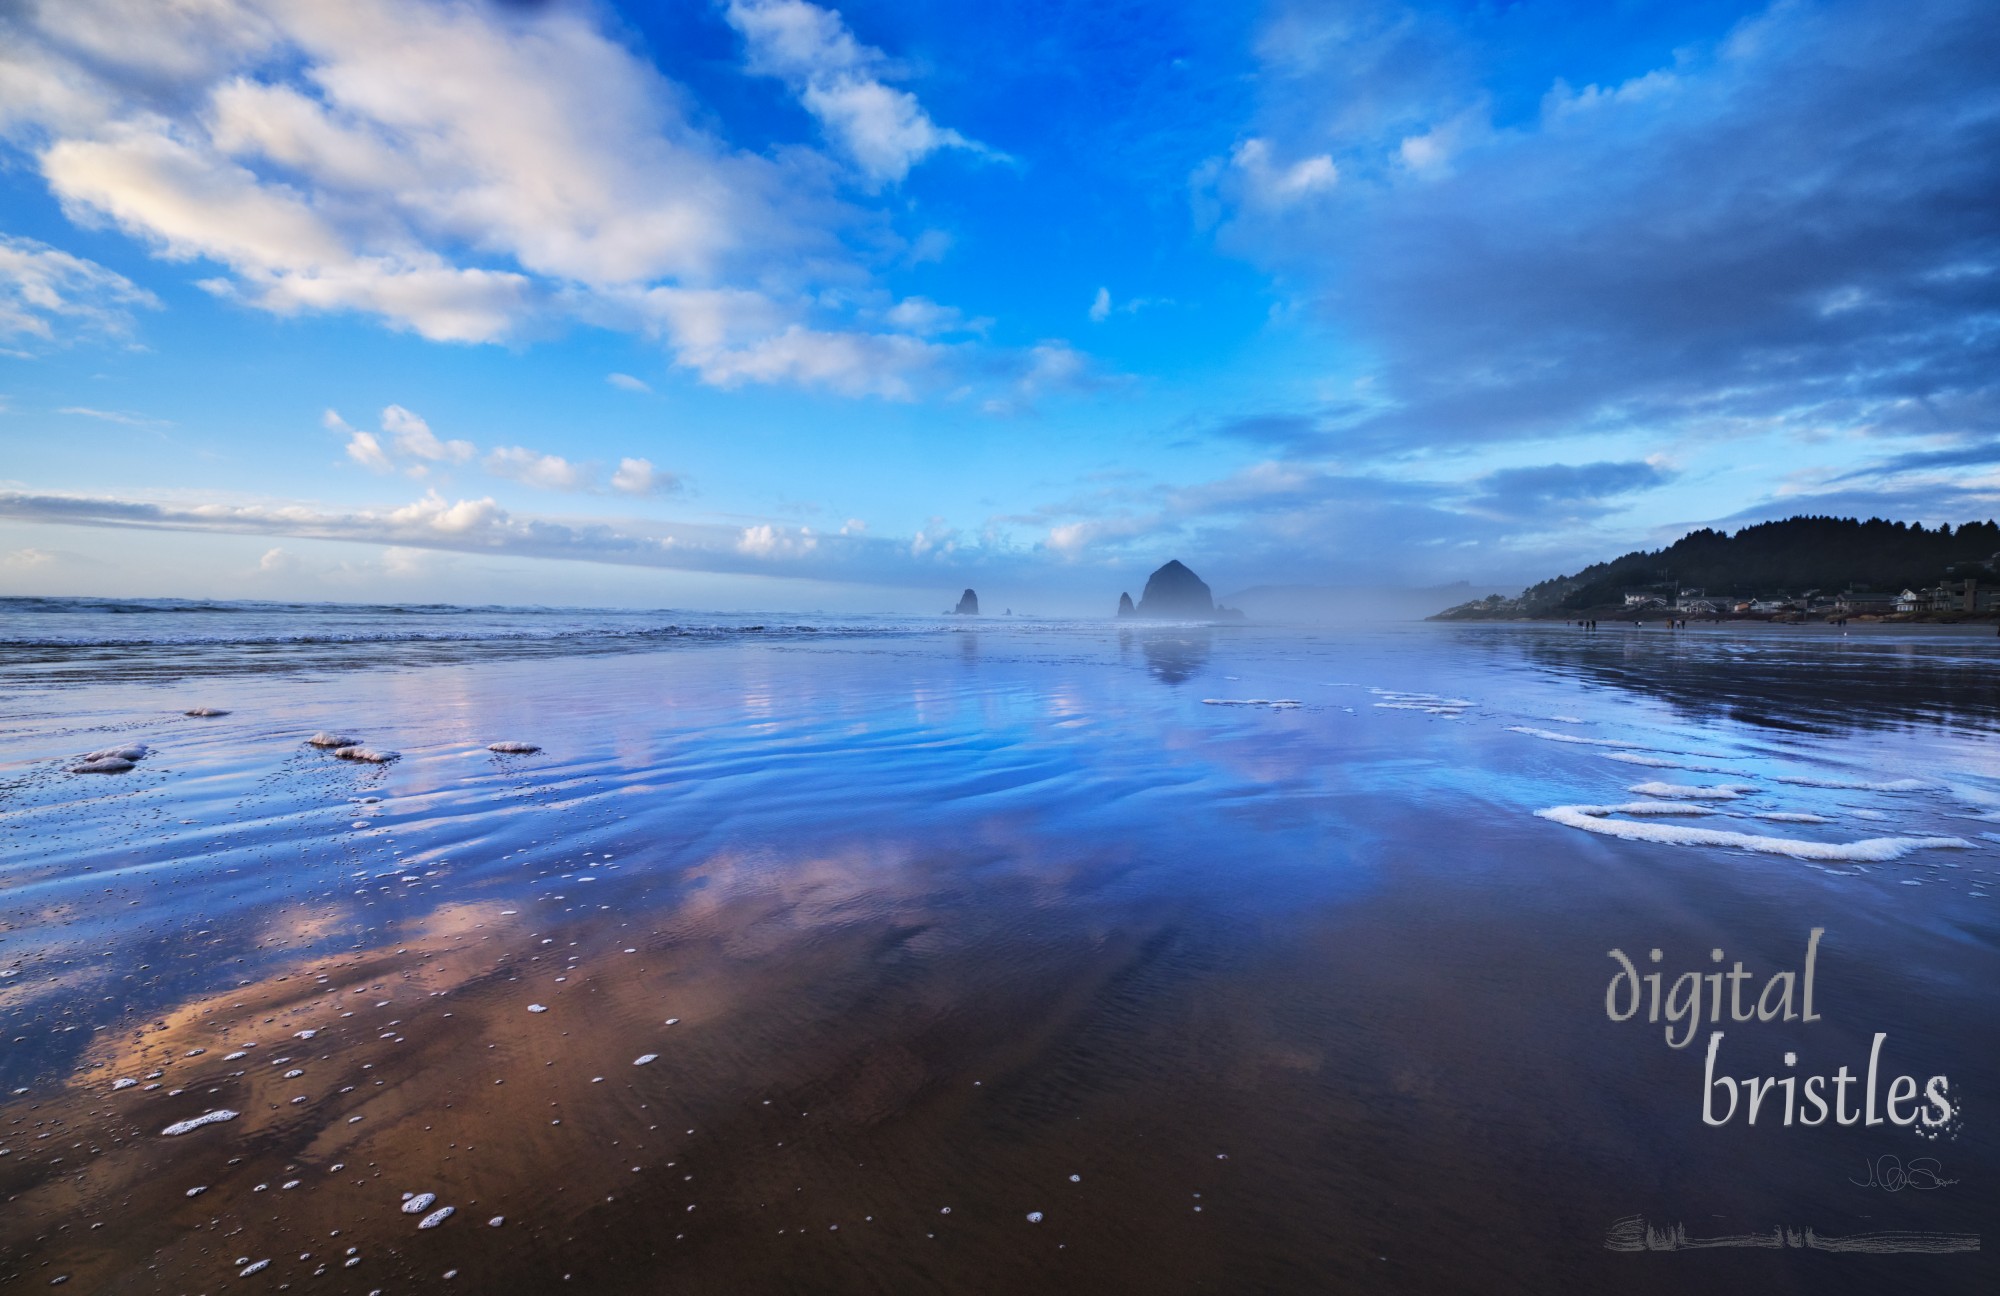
(860, 955)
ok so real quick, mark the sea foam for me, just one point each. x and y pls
(1553, 736)
(110, 760)
(196, 1122)
(1689, 792)
(1874, 850)
(1670, 762)
(1857, 785)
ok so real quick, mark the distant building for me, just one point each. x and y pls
(1644, 600)
(1853, 602)
(1916, 600)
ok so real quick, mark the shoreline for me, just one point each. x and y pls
(1607, 618)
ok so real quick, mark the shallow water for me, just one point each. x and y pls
(959, 922)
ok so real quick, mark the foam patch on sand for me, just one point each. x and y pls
(1692, 792)
(205, 713)
(367, 755)
(1874, 850)
(1857, 785)
(1791, 816)
(327, 738)
(1429, 703)
(1658, 809)
(1553, 736)
(513, 748)
(110, 760)
(196, 1122)
(1671, 762)
(1262, 702)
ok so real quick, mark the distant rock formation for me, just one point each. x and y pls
(1125, 608)
(968, 604)
(1175, 593)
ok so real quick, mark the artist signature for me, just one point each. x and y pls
(1892, 1174)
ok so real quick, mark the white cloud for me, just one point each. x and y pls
(277, 562)
(449, 168)
(112, 416)
(1100, 306)
(463, 518)
(626, 382)
(364, 449)
(414, 437)
(41, 285)
(50, 561)
(926, 318)
(935, 538)
(884, 131)
(639, 477)
(1273, 185)
(1431, 154)
(767, 541)
(547, 471)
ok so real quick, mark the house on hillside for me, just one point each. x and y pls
(1916, 601)
(1862, 602)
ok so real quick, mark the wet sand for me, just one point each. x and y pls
(1304, 999)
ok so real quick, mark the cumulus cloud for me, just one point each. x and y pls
(406, 435)
(364, 449)
(547, 471)
(457, 170)
(43, 289)
(767, 541)
(414, 437)
(277, 562)
(640, 477)
(883, 131)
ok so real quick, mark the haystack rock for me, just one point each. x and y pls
(1125, 608)
(968, 604)
(1175, 593)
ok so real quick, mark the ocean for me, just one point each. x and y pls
(851, 954)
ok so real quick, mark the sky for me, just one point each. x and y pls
(767, 304)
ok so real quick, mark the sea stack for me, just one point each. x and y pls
(1175, 593)
(968, 604)
(1125, 608)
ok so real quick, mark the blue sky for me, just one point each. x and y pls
(770, 304)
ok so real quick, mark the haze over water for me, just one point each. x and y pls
(998, 956)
